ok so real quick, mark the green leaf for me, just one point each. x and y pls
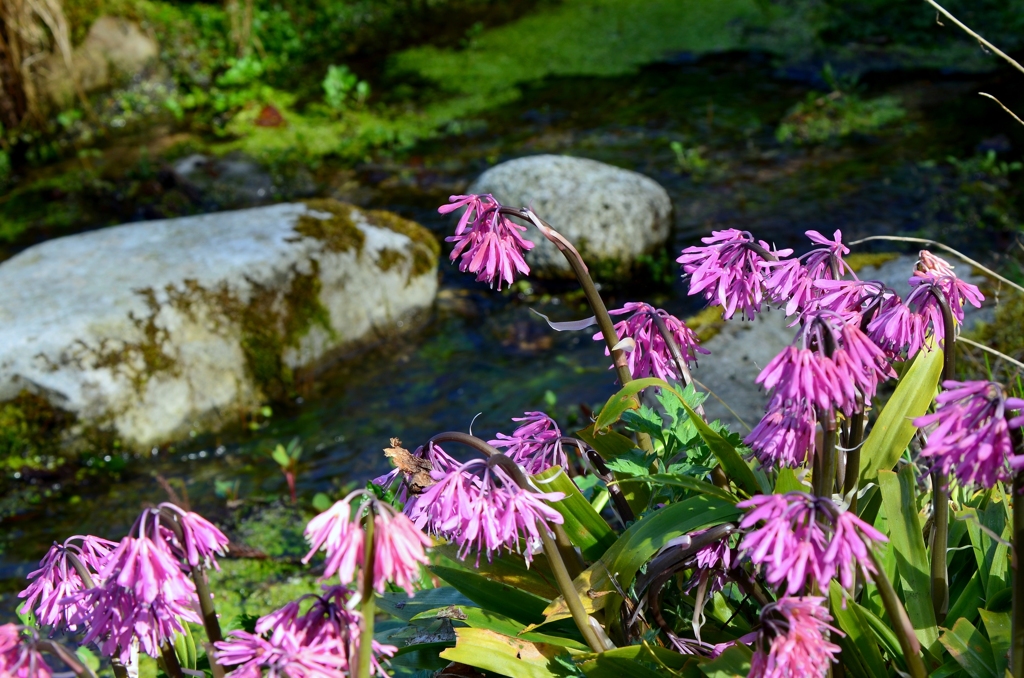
(587, 530)
(727, 456)
(967, 603)
(786, 481)
(638, 544)
(403, 607)
(894, 428)
(491, 595)
(858, 632)
(733, 663)
(610, 445)
(509, 568)
(88, 658)
(998, 624)
(321, 502)
(629, 465)
(280, 456)
(970, 649)
(900, 502)
(505, 655)
(625, 660)
(185, 648)
(884, 634)
(644, 420)
(478, 618)
(692, 484)
(625, 399)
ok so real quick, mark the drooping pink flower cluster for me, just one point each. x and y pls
(398, 545)
(728, 270)
(805, 540)
(488, 243)
(200, 541)
(793, 281)
(712, 564)
(904, 327)
(855, 300)
(650, 355)
(437, 460)
(143, 593)
(322, 642)
(18, 658)
(536, 445)
(57, 580)
(969, 432)
(833, 365)
(794, 639)
(481, 508)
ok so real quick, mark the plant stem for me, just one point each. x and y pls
(573, 562)
(119, 669)
(367, 602)
(210, 621)
(828, 456)
(171, 665)
(940, 480)
(900, 621)
(1017, 621)
(62, 653)
(974, 35)
(677, 354)
(565, 585)
(853, 457)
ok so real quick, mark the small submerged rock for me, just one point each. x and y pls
(612, 215)
(156, 329)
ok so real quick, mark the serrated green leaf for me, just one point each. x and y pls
(858, 633)
(733, 663)
(587, 530)
(628, 466)
(900, 502)
(644, 420)
(638, 544)
(727, 456)
(894, 428)
(491, 595)
(612, 445)
(625, 399)
(505, 655)
(970, 649)
(998, 627)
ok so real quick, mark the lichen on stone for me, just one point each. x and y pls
(862, 260)
(388, 258)
(426, 249)
(139, 360)
(338, 232)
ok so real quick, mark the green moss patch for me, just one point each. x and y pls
(426, 249)
(862, 260)
(30, 433)
(338, 232)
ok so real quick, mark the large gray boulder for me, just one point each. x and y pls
(156, 329)
(612, 215)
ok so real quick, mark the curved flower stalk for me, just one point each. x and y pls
(651, 354)
(805, 541)
(60, 577)
(398, 546)
(323, 641)
(486, 242)
(969, 433)
(142, 594)
(20, 659)
(481, 508)
(794, 281)
(536, 445)
(728, 270)
(793, 640)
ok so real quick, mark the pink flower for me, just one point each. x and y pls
(536, 445)
(727, 270)
(437, 459)
(801, 375)
(143, 594)
(795, 545)
(711, 564)
(57, 579)
(794, 280)
(785, 435)
(486, 512)
(398, 545)
(793, 641)
(201, 540)
(971, 435)
(855, 300)
(898, 330)
(957, 292)
(488, 243)
(323, 642)
(20, 659)
(650, 355)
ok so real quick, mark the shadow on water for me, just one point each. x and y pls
(486, 353)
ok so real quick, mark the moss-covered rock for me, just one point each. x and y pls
(153, 330)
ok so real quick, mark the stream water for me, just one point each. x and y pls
(484, 352)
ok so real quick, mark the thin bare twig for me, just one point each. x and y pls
(988, 349)
(934, 243)
(974, 35)
(989, 96)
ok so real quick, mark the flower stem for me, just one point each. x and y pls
(853, 457)
(367, 602)
(565, 585)
(940, 480)
(62, 653)
(119, 669)
(900, 621)
(210, 621)
(828, 456)
(171, 665)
